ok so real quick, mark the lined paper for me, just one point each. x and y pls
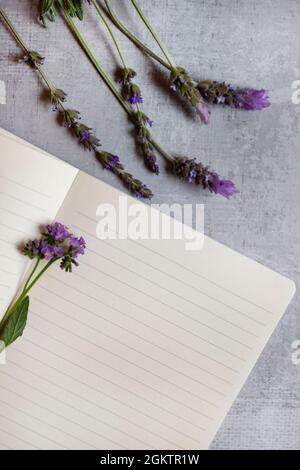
(32, 189)
(145, 346)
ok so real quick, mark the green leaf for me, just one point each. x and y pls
(46, 6)
(78, 9)
(47, 9)
(15, 324)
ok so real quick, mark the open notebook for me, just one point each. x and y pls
(144, 346)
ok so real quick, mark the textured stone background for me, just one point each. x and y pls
(246, 42)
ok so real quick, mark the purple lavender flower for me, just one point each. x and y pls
(196, 173)
(85, 136)
(112, 162)
(241, 98)
(32, 249)
(56, 243)
(221, 186)
(115, 159)
(152, 163)
(51, 252)
(202, 111)
(58, 231)
(135, 99)
(78, 246)
(131, 91)
(187, 88)
(192, 177)
(251, 99)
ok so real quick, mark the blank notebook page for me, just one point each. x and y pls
(32, 189)
(144, 346)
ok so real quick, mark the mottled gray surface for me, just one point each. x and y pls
(247, 42)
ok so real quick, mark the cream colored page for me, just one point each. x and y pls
(144, 346)
(14, 138)
(32, 189)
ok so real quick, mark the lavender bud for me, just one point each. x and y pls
(196, 173)
(183, 83)
(248, 99)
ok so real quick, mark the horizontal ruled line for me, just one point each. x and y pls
(130, 332)
(24, 203)
(53, 426)
(40, 193)
(152, 313)
(120, 387)
(83, 398)
(63, 374)
(184, 267)
(119, 371)
(84, 263)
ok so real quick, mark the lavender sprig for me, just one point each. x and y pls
(214, 183)
(109, 161)
(112, 163)
(132, 94)
(56, 245)
(196, 173)
(248, 99)
(180, 80)
(185, 86)
(70, 117)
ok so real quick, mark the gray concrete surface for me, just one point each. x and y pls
(246, 42)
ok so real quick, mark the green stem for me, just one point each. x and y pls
(10, 26)
(92, 58)
(102, 16)
(132, 37)
(26, 290)
(155, 36)
(161, 150)
(32, 273)
(109, 82)
(25, 48)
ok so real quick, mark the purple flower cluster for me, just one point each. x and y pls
(143, 123)
(196, 173)
(252, 100)
(219, 185)
(135, 97)
(248, 99)
(112, 163)
(57, 243)
(131, 91)
(58, 232)
(186, 87)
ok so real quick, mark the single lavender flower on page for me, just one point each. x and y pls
(57, 245)
(248, 99)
